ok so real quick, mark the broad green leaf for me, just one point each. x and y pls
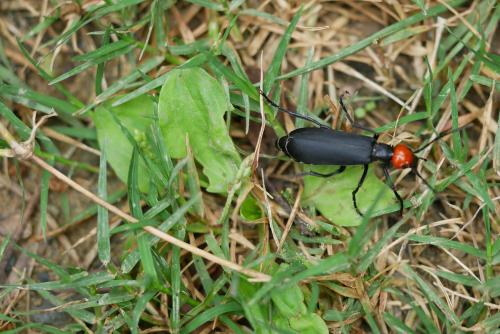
(333, 196)
(193, 104)
(136, 116)
(250, 210)
(255, 313)
(289, 302)
(309, 323)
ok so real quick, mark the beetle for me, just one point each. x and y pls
(323, 145)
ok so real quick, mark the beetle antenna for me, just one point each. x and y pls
(349, 118)
(293, 113)
(415, 171)
(440, 136)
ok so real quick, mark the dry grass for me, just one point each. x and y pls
(434, 269)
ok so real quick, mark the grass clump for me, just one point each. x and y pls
(155, 200)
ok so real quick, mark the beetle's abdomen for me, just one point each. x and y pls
(324, 146)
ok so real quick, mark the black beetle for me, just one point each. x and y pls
(325, 146)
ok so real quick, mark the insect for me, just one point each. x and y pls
(323, 145)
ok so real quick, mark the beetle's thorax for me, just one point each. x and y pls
(403, 157)
(382, 152)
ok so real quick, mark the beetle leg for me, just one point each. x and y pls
(293, 113)
(415, 171)
(351, 120)
(360, 183)
(393, 187)
(312, 173)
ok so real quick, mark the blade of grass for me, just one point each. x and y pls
(103, 235)
(82, 67)
(210, 314)
(121, 84)
(489, 244)
(3, 245)
(46, 76)
(458, 278)
(145, 251)
(275, 66)
(82, 279)
(446, 243)
(425, 319)
(99, 73)
(44, 202)
(303, 92)
(431, 295)
(82, 315)
(175, 277)
(496, 149)
(396, 324)
(390, 30)
(105, 50)
(157, 82)
(139, 307)
(208, 4)
(457, 142)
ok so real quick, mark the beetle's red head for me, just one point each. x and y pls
(403, 157)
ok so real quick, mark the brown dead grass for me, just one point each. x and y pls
(393, 72)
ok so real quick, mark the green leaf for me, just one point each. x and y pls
(250, 210)
(309, 323)
(333, 196)
(290, 301)
(256, 313)
(192, 104)
(135, 115)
